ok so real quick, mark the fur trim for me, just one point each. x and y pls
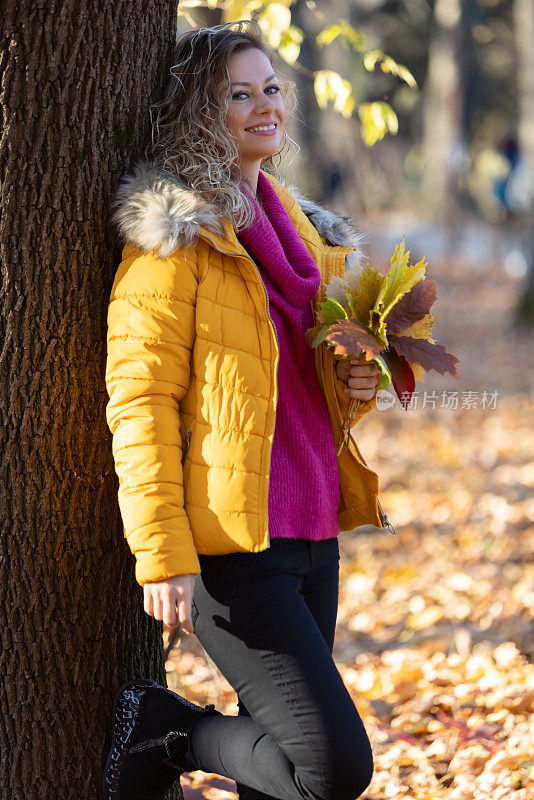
(155, 211)
(337, 230)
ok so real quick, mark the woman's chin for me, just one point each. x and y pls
(267, 150)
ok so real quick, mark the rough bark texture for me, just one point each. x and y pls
(77, 79)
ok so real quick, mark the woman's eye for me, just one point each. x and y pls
(236, 95)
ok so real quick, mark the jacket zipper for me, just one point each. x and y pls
(247, 258)
(267, 306)
(385, 518)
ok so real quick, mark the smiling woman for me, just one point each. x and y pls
(193, 133)
(256, 115)
(224, 426)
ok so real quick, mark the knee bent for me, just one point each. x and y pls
(349, 781)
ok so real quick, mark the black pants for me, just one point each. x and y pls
(268, 621)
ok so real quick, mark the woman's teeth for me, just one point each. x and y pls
(260, 128)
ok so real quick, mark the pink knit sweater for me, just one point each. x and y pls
(304, 480)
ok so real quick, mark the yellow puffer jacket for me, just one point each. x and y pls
(191, 377)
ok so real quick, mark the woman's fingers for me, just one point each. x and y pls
(165, 602)
(148, 600)
(169, 608)
(360, 370)
(158, 606)
(361, 394)
(356, 368)
(184, 614)
(363, 381)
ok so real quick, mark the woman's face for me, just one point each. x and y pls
(255, 101)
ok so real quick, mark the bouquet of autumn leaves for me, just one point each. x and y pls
(385, 318)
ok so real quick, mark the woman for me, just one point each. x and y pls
(225, 425)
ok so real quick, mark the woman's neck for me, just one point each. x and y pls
(250, 174)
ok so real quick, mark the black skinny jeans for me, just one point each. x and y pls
(268, 621)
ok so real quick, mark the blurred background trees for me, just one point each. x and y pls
(464, 146)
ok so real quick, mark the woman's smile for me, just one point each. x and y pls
(265, 129)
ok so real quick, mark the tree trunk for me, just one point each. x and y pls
(206, 17)
(524, 37)
(442, 113)
(77, 82)
(309, 162)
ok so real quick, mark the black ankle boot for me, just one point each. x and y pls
(148, 751)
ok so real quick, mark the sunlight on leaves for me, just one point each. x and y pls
(399, 279)
(329, 85)
(388, 64)
(274, 21)
(348, 36)
(289, 47)
(377, 118)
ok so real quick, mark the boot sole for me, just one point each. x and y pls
(125, 718)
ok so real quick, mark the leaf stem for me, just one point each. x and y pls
(347, 424)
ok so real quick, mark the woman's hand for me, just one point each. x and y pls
(162, 597)
(361, 377)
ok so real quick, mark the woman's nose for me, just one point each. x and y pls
(265, 104)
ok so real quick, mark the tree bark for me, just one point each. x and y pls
(442, 113)
(77, 82)
(206, 17)
(309, 162)
(524, 37)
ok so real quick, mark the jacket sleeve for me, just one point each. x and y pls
(151, 329)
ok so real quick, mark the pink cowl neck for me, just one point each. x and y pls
(303, 479)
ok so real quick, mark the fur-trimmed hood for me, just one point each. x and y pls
(155, 211)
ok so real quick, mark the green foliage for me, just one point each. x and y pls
(348, 36)
(400, 278)
(331, 311)
(289, 47)
(384, 378)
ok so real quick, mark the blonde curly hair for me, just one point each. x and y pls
(190, 139)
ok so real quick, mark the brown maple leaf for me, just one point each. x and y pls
(412, 307)
(428, 355)
(350, 337)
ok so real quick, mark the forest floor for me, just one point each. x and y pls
(434, 638)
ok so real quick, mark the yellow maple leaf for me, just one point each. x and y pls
(362, 302)
(399, 279)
